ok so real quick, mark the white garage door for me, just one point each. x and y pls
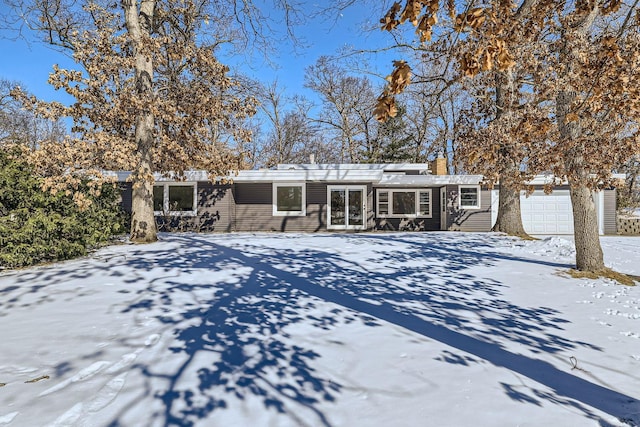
(547, 214)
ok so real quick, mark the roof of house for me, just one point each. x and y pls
(396, 174)
(548, 178)
(427, 180)
(300, 175)
(382, 175)
(386, 167)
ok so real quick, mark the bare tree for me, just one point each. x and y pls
(287, 131)
(629, 195)
(347, 107)
(19, 126)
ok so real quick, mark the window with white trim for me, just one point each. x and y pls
(175, 198)
(469, 196)
(403, 203)
(289, 199)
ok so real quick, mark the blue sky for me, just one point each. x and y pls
(31, 63)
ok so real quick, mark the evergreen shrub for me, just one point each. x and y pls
(37, 226)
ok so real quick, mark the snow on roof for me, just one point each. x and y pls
(427, 180)
(293, 175)
(121, 176)
(421, 167)
(190, 176)
(545, 179)
(373, 175)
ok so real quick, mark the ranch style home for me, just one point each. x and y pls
(355, 197)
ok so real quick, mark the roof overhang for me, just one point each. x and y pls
(428, 180)
(549, 179)
(293, 175)
(389, 167)
(188, 176)
(377, 177)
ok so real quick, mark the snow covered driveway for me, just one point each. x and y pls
(371, 329)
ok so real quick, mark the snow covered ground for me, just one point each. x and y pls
(416, 329)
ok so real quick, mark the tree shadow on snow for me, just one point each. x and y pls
(237, 325)
(232, 337)
(243, 330)
(438, 300)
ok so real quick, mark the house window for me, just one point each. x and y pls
(404, 203)
(424, 203)
(158, 198)
(289, 199)
(469, 196)
(175, 199)
(383, 203)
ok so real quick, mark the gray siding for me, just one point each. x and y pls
(215, 211)
(248, 207)
(610, 212)
(254, 209)
(468, 219)
(214, 206)
(371, 208)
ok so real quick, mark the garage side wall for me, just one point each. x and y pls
(610, 212)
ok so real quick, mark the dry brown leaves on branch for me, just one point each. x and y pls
(390, 20)
(451, 9)
(385, 107)
(421, 13)
(397, 82)
(399, 78)
(472, 19)
(493, 56)
(194, 103)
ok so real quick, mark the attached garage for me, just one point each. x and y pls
(547, 213)
(552, 213)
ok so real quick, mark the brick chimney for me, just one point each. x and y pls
(439, 166)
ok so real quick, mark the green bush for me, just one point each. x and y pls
(36, 226)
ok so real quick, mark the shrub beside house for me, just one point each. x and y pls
(37, 226)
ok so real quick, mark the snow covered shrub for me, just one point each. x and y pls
(37, 226)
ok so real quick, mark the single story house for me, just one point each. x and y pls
(358, 197)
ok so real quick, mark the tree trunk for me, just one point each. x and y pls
(589, 255)
(509, 218)
(139, 23)
(143, 222)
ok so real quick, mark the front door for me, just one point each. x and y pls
(346, 207)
